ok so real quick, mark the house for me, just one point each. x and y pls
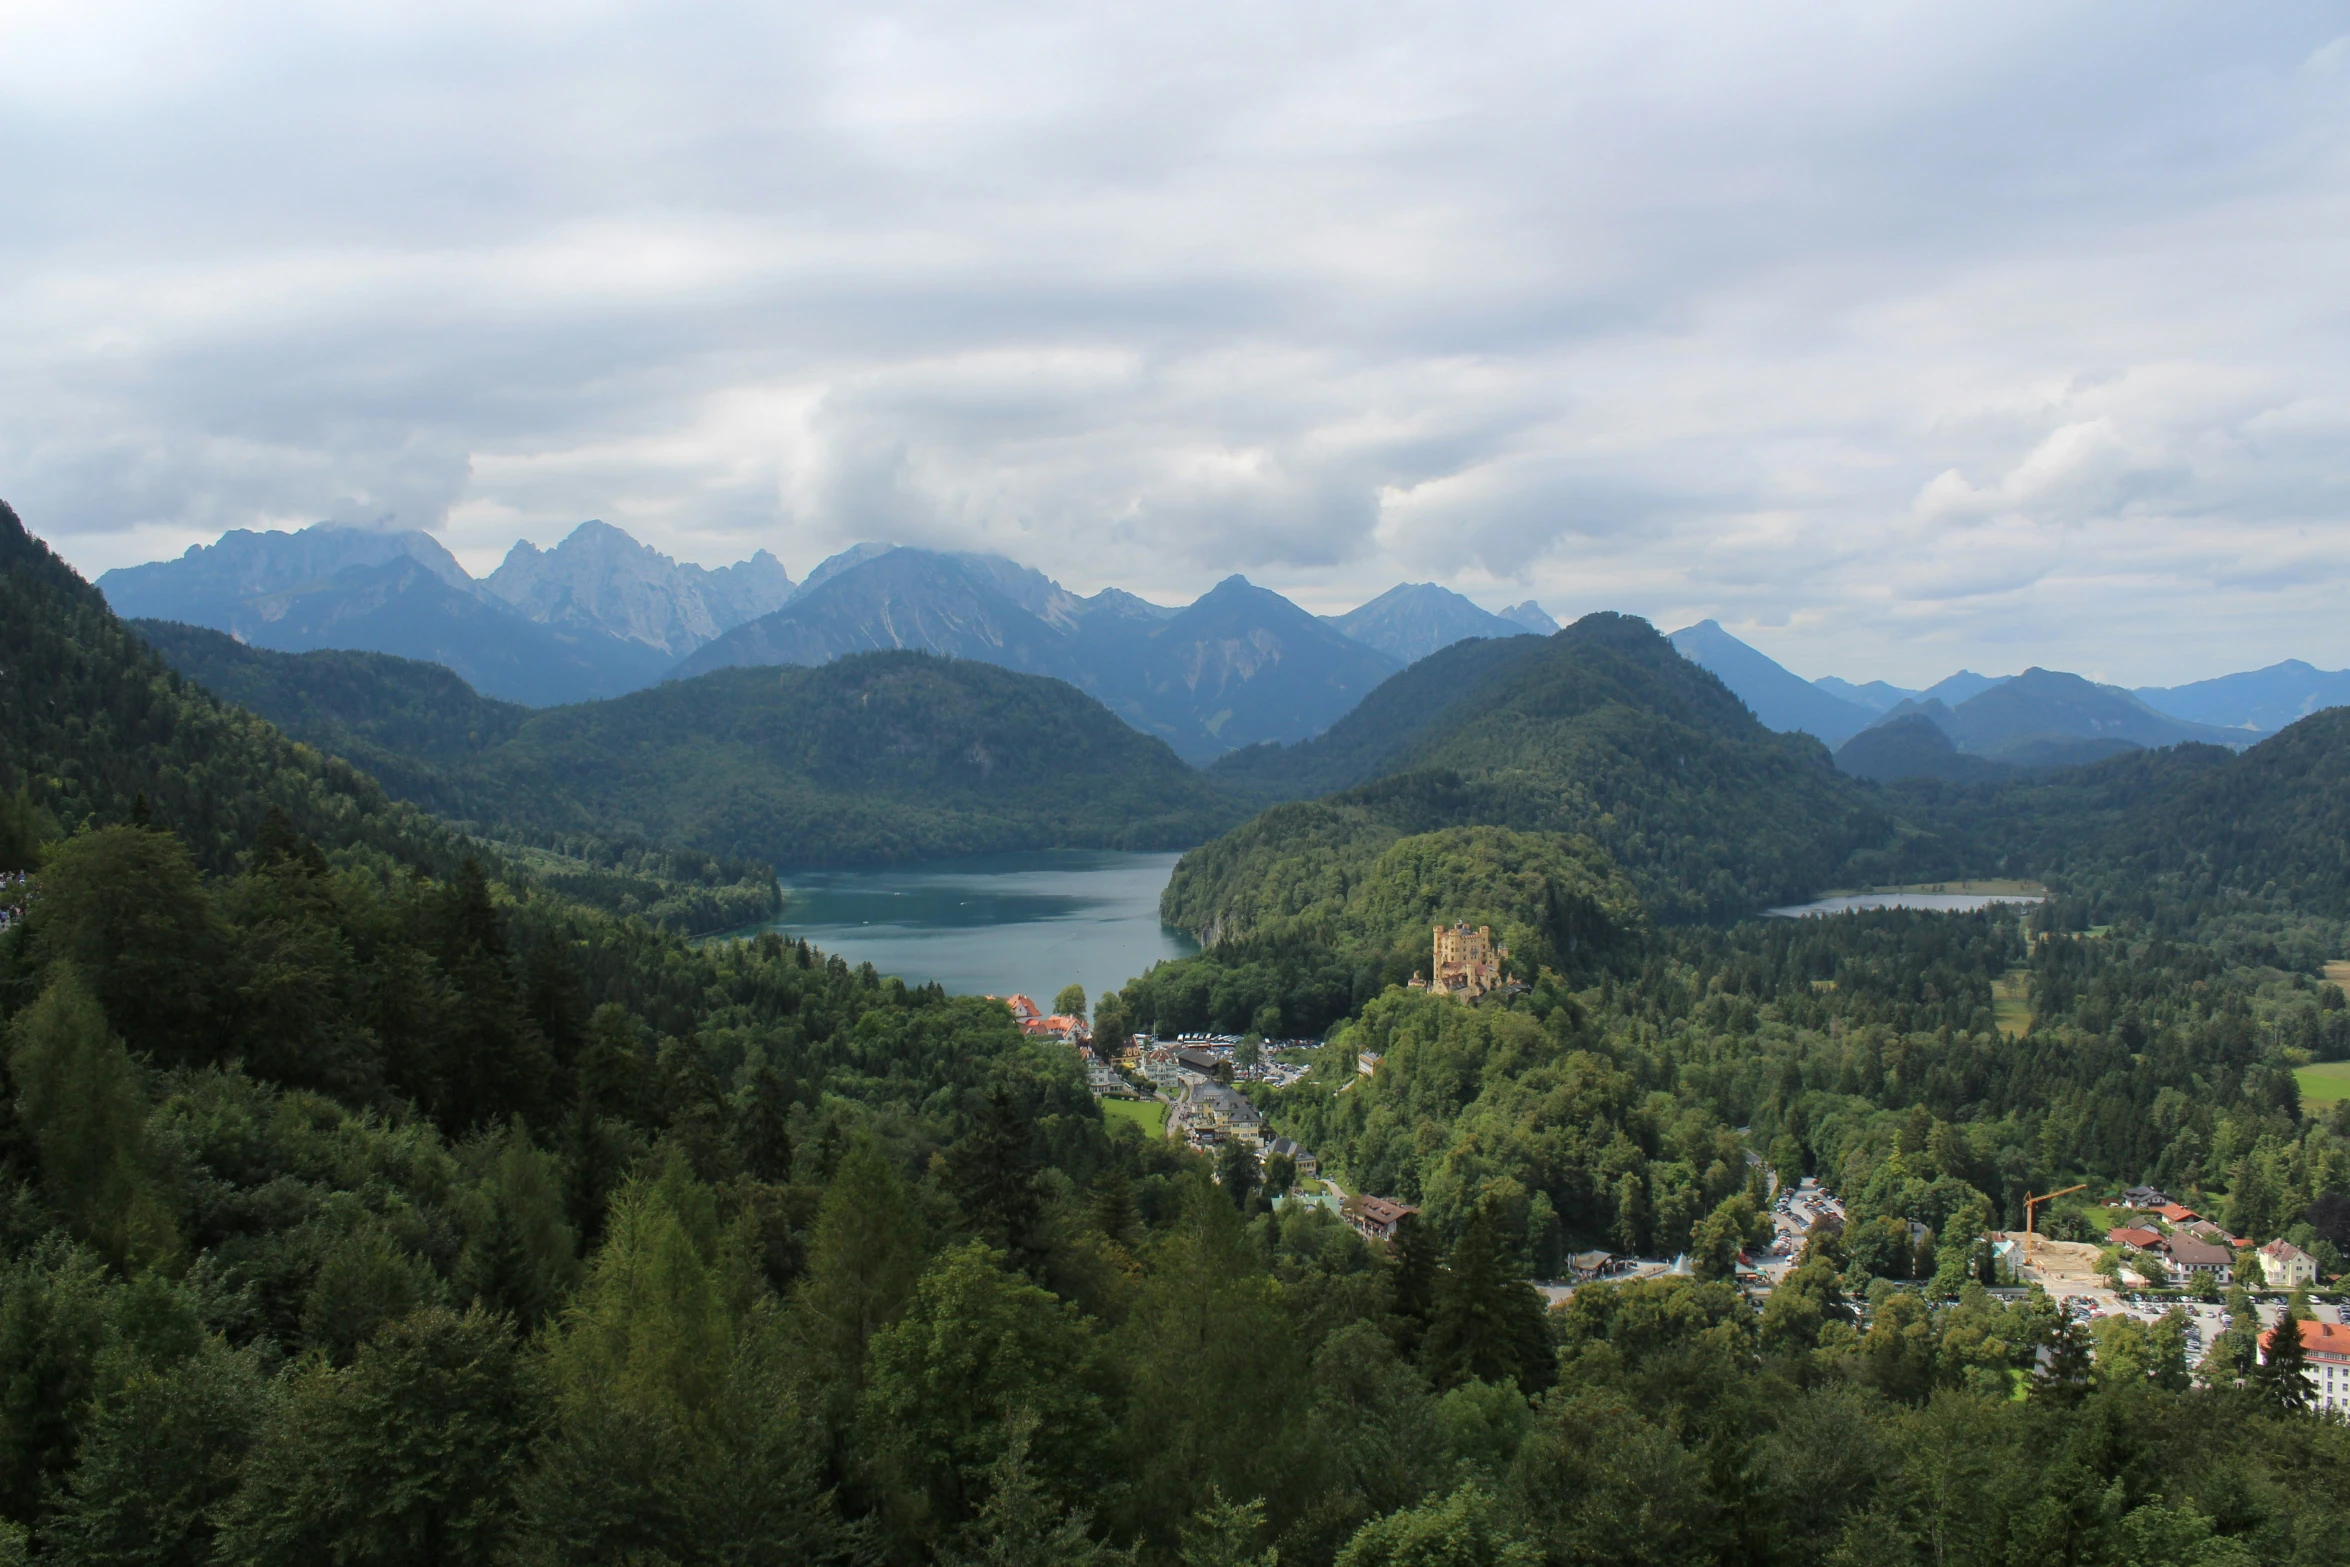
(2133, 1239)
(2286, 1265)
(1305, 1163)
(1023, 1009)
(1062, 1027)
(1367, 1062)
(2146, 1197)
(2205, 1230)
(1193, 1059)
(2173, 1213)
(2327, 1346)
(1103, 1078)
(1213, 1113)
(2186, 1254)
(1376, 1218)
(1585, 1266)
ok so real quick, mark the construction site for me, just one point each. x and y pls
(2064, 1268)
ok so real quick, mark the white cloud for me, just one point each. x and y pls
(1902, 338)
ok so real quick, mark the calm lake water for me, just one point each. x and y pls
(1943, 902)
(995, 923)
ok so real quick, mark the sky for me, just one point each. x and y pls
(1898, 338)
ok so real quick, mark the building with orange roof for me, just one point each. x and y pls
(2178, 1214)
(2327, 1346)
(2135, 1239)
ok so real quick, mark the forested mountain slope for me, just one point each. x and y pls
(884, 756)
(1404, 711)
(404, 720)
(866, 759)
(1604, 731)
(2199, 822)
(92, 721)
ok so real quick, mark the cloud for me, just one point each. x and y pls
(1908, 337)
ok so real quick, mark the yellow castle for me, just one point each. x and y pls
(1467, 963)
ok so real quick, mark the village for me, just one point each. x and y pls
(2160, 1255)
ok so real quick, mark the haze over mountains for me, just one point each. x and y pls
(1969, 727)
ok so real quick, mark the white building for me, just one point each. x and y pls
(2327, 1344)
(2286, 1266)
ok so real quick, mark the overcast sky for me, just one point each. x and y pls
(1897, 338)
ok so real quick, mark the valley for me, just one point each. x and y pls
(412, 1027)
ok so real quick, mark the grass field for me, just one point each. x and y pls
(2011, 1003)
(1148, 1114)
(2339, 972)
(2324, 1083)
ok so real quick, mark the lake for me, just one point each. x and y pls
(995, 923)
(1940, 902)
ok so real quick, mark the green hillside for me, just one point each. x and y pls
(92, 723)
(2210, 825)
(1602, 731)
(1406, 710)
(406, 721)
(872, 758)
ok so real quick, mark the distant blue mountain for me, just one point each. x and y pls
(2040, 718)
(1414, 619)
(1876, 696)
(1964, 686)
(1240, 666)
(2261, 701)
(1781, 699)
(1533, 617)
(380, 592)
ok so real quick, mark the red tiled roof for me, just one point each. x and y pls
(2177, 1214)
(2329, 1338)
(2129, 1237)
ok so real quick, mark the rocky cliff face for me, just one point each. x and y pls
(600, 579)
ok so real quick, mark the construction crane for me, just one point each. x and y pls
(2032, 1206)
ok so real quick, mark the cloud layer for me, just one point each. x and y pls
(1894, 337)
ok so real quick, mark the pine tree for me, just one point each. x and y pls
(862, 1261)
(763, 1127)
(1237, 1173)
(2064, 1376)
(1489, 1322)
(2282, 1375)
(1414, 1253)
(995, 1176)
(80, 1097)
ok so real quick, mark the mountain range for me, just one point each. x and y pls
(391, 592)
(1969, 727)
(600, 615)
